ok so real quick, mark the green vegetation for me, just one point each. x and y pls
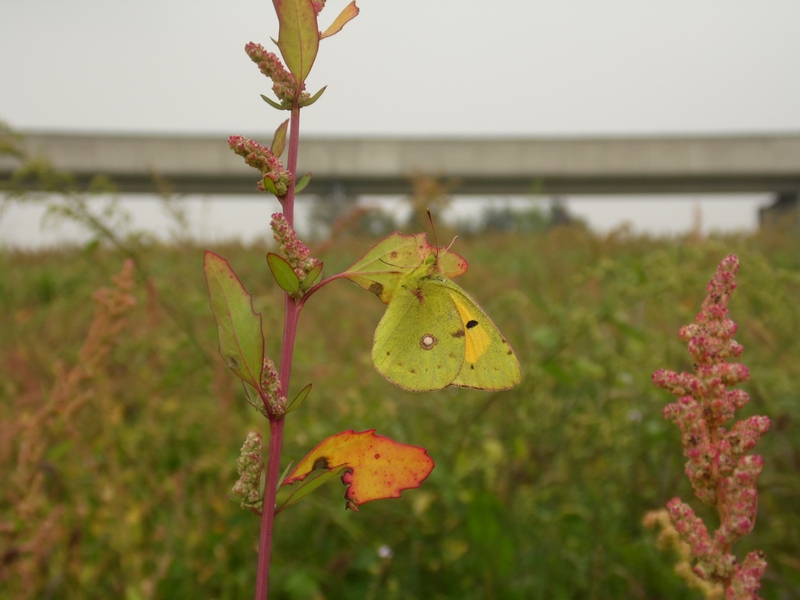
(538, 492)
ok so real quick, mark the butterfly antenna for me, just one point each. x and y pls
(435, 240)
(433, 227)
(450, 245)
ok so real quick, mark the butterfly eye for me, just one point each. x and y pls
(427, 341)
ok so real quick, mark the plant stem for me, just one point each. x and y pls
(276, 422)
(268, 508)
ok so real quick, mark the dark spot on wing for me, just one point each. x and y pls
(376, 288)
(458, 334)
(471, 324)
(320, 463)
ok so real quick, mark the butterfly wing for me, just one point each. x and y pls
(489, 362)
(419, 343)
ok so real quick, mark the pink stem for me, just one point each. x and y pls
(276, 422)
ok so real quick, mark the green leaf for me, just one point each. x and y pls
(285, 473)
(299, 399)
(279, 139)
(311, 277)
(241, 341)
(283, 273)
(298, 36)
(314, 98)
(308, 487)
(301, 185)
(274, 104)
(258, 404)
(269, 185)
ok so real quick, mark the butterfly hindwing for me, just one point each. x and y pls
(420, 342)
(489, 362)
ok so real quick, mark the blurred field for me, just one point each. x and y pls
(537, 493)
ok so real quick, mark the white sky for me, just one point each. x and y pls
(419, 67)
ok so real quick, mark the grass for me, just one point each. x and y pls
(537, 493)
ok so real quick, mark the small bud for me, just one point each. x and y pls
(290, 248)
(250, 465)
(271, 384)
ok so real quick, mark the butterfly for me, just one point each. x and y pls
(433, 334)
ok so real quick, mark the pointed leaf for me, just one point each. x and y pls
(257, 404)
(376, 466)
(285, 473)
(314, 98)
(301, 185)
(299, 399)
(269, 185)
(308, 487)
(311, 277)
(298, 36)
(396, 255)
(349, 13)
(283, 273)
(274, 104)
(279, 139)
(241, 341)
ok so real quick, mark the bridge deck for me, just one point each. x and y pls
(204, 164)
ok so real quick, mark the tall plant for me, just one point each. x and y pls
(433, 334)
(722, 472)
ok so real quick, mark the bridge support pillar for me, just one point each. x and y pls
(785, 210)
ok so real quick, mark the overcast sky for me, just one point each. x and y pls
(410, 67)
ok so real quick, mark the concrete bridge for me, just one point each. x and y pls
(195, 164)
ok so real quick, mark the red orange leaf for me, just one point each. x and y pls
(376, 466)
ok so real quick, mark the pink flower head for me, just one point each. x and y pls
(284, 85)
(290, 248)
(262, 159)
(721, 472)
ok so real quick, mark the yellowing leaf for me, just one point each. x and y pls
(350, 12)
(279, 139)
(376, 467)
(396, 255)
(241, 341)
